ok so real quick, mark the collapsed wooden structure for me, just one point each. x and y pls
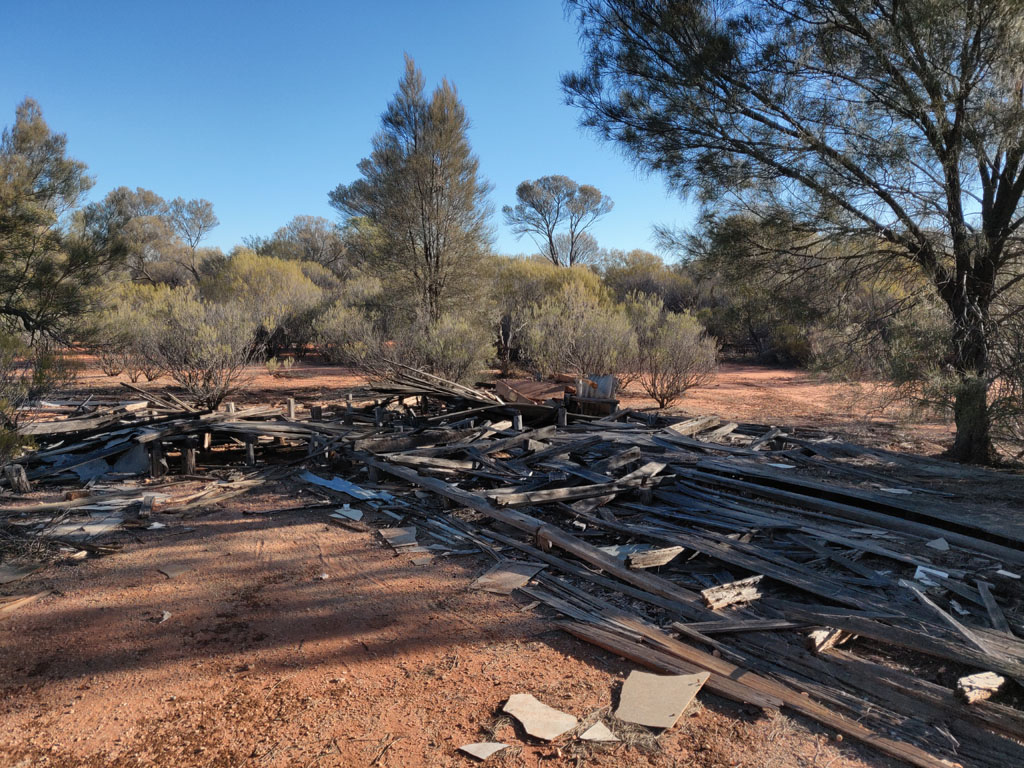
(850, 585)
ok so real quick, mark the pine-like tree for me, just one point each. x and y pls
(421, 197)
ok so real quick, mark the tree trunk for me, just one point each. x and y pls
(973, 443)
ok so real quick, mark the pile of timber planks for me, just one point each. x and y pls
(799, 575)
(854, 586)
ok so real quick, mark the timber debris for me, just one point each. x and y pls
(787, 568)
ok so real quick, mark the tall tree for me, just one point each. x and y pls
(899, 123)
(306, 238)
(161, 238)
(192, 220)
(51, 250)
(557, 212)
(421, 197)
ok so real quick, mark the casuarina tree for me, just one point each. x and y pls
(899, 124)
(420, 201)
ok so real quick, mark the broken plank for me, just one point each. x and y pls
(741, 591)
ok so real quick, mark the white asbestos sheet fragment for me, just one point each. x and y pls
(538, 719)
(481, 750)
(598, 732)
(657, 701)
(505, 577)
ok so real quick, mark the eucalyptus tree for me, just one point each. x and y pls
(420, 208)
(557, 212)
(894, 123)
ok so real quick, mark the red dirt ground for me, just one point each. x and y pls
(291, 642)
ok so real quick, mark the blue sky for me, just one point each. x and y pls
(263, 107)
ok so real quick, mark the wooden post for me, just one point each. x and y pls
(372, 474)
(291, 408)
(231, 407)
(207, 440)
(250, 450)
(562, 417)
(157, 462)
(316, 412)
(517, 421)
(188, 457)
(378, 417)
(348, 409)
(17, 479)
(146, 508)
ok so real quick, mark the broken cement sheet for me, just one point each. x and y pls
(101, 523)
(9, 573)
(598, 732)
(505, 577)
(657, 701)
(538, 719)
(347, 513)
(170, 571)
(481, 750)
(344, 486)
(400, 537)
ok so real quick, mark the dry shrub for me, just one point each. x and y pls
(576, 331)
(204, 347)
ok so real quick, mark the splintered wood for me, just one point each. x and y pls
(759, 557)
(787, 568)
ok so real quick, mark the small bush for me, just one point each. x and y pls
(204, 347)
(453, 347)
(576, 332)
(347, 335)
(27, 373)
(673, 353)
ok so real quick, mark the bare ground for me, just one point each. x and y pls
(290, 642)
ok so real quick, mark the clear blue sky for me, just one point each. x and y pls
(263, 107)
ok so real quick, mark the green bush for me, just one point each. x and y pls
(27, 373)
(205, 347)
(576, 332)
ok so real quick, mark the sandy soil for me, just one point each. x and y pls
(290, 642)
(294, 643)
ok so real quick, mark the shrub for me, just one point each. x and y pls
(347, 335)
(576, 332)
(520, 285)
(277, 294)
(204, 347)
(27, 373)
(673, 352)
(454, 347)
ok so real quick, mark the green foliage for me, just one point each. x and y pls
(749, 106)
(51, 251)
(125, 333)
(640, 271)
(420, 212)
(308, 239)
(519, 285)
(28, 372)
(277, 294)
(674, 353)
(347, 334)
(556, 212)
(574, 331)
(204, 347)
(453, 347)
